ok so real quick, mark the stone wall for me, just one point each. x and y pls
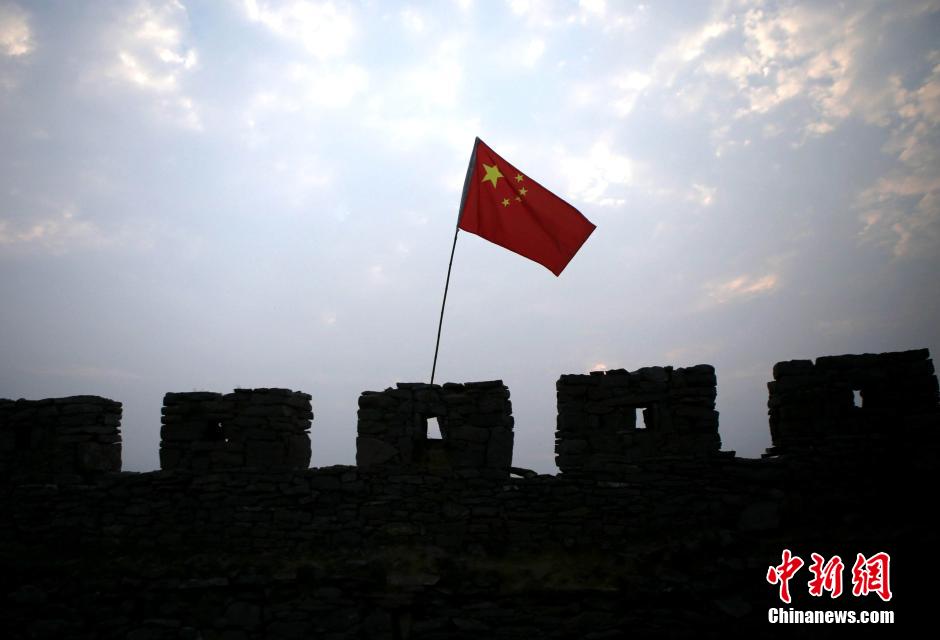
(256, 428)
(811, 401)
(599, 431)
(475, 421)
(430, 540)
(59, 439)
(676, 546)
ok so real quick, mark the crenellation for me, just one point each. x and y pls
(474, 418)
(813, 402)
(64, 439)
(255, 428)
(647, 531)
(609, 420)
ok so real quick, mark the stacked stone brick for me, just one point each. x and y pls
(475, 421)
(255, 428)
(430, 539)
(811, 401)
(59, 438)
(597, 429)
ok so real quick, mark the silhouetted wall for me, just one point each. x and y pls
(59, 438)
(433, 539)
(475, 422)
(257, 428)
(810, 401)
(598, 427)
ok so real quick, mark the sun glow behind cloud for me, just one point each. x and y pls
(322, 28)
(15, 36)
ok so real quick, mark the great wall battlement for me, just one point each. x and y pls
(648, 527)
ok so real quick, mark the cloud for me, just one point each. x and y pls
(703, 194)
(693, 45)
(16, 39)
(299, 177)
(521, 7)
(532, 52)
(322, 79)
(298, 89)
(334, 87)
(524, 52)
(802, 52)
(147, 51)
(56, 233)
(434, 82)
(902, 208)
(820, 58)
(413, 20)
(687, 49)
(422, 102)
(322, 29)
(800, 72)
(592, 176)
(41, 224)
(410, 131)
(739, 287)
(595, 7)
(546, 15)
(150, 50)
(629, 87)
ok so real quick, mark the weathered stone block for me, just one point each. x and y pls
(392, 426)
(793, 368)
(817, 400)
(371, 452)
(253, 427)
(601, 423)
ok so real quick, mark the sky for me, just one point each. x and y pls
(204, 195)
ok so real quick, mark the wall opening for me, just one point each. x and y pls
(857, 397)
(434, 429)
(646, 417)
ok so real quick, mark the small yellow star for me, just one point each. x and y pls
(492, 174)
(505, 202)
(523, 191)
(518, 199)
(518, 177)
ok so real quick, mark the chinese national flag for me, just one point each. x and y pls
(508, 208)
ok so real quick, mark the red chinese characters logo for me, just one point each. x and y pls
(826, 577)
(783, 572)
(872, 575)
(869, 575)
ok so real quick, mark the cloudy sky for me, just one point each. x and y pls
(242, 193)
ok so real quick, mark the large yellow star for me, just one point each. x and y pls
(492, 174)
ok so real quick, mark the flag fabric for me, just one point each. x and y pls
(508, 208)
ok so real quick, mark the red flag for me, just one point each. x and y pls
(508, 208)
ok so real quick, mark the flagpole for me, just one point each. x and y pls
(463, 202)
(440, 322)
